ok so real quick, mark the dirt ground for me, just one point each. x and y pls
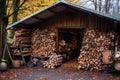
(67, 71)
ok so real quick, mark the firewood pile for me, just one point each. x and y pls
(94, 43)
(54, 61)
(65, 46)
(22, 38)
(43, 43)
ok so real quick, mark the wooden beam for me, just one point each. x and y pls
(115, 24)
(53, 11)
(72, 9)
(36, 17)
(71, 27)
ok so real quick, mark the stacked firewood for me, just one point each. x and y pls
(93, 45)
(54, 61)
(43, 43)
(22, 38)
(64, 46)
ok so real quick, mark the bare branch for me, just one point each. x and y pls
(84, 2)
(17, 8)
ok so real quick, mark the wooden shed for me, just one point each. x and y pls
(70, 30)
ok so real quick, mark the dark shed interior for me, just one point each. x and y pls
(70, 42)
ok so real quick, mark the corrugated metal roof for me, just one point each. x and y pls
(54, 9)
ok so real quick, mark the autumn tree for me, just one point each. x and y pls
(5, 12)
(14, 17)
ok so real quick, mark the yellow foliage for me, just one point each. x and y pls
(29, 7)
(74, 1)
(32, 6)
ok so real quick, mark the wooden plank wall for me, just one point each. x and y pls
(77, 20)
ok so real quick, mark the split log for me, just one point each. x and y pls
(54, 61)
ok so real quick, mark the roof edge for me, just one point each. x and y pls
(35, 13)
(94, 11)
(108, 16)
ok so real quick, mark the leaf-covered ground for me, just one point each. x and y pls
(61, 73)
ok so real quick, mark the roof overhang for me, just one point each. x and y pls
(52, 10)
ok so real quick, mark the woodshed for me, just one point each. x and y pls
(70, 30)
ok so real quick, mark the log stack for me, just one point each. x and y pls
(94, 43)
(22, 37)
(54, 61)
(43, 42)
(65, 46)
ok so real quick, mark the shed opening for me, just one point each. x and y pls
(69, 45)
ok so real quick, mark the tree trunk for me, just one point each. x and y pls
(100, 5)
(107, 6)
(2, 24)
(117, 4)
(2, 8)
(94, 3)
(15, 15)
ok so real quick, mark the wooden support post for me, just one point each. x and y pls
(115, 26)
(57, 40)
